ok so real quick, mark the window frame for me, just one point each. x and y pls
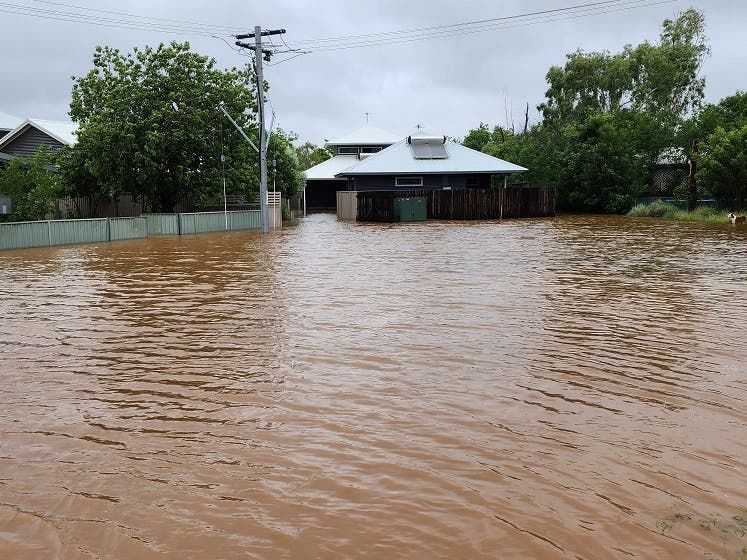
(408, 178)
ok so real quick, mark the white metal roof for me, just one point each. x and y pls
(63, 132)
(9, 122)
(366, 135)
(328, 169)
(398, 159)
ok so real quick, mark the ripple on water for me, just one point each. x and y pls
(566, 388)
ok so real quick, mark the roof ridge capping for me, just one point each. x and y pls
(423, 139)
(365, 135)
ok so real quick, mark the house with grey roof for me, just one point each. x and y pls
(28, 136)
(426, 162)
(322, 180)
(364, 161)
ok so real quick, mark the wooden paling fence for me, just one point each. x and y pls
(466, 204)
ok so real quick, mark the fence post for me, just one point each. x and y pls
(49, 232)
(179, 223)
(108, 229)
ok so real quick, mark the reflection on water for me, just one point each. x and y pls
(567, 388)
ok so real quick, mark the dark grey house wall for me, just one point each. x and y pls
(387, 182)
(321, 194)
(29, 141)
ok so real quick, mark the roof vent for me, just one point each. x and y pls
(428, 147)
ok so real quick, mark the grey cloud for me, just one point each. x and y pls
(448, 84)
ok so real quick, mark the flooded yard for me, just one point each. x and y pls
(559, 388)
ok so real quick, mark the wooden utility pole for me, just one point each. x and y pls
(260, 54)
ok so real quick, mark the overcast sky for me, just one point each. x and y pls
(448, 84)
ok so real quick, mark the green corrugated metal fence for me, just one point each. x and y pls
(66, 232)
(204, 222)
(248, 219)
(187, 223)
(163, 224)
(127, 228)
(22, 235)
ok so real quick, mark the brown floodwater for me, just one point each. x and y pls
(560, 388)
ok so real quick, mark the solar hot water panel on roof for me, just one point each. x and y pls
(428, 147)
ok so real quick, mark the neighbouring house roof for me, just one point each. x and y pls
(8, 122)
(400, 158)
(328, 169)
(63, 132)
(366, 135)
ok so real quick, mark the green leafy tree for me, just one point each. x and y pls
(77, 182)
(532, 149)
(309, 155)
(723, 165)
(729, 113)
(32, 184)
(662, 79)
(286, 173)
(604, 165)
(150, 125)
(478, 137)
(587, 84)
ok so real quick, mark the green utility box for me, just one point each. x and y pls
(410, 209)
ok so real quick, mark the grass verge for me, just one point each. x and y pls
(658, 209)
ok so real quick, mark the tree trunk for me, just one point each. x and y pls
(692, 185)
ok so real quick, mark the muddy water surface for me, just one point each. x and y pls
(569, 388)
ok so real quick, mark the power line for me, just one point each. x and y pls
(136, 22)
(450, 26)
(100, 21)
(353, 42)
(177, 21)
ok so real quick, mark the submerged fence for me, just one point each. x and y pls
(22, 235)
(462, 204)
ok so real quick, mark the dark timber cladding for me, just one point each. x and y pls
(468, 204)
(29, 141)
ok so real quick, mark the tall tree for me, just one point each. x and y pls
(478, 137)
(150, 125)
(285, 171)
(662, 79)
(723, 165)
(309, 155)
(32, 184)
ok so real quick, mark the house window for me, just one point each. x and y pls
(370, 149)
(408, 181)
(348, 150)
(473, 180)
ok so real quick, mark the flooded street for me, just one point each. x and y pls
(563, 388)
